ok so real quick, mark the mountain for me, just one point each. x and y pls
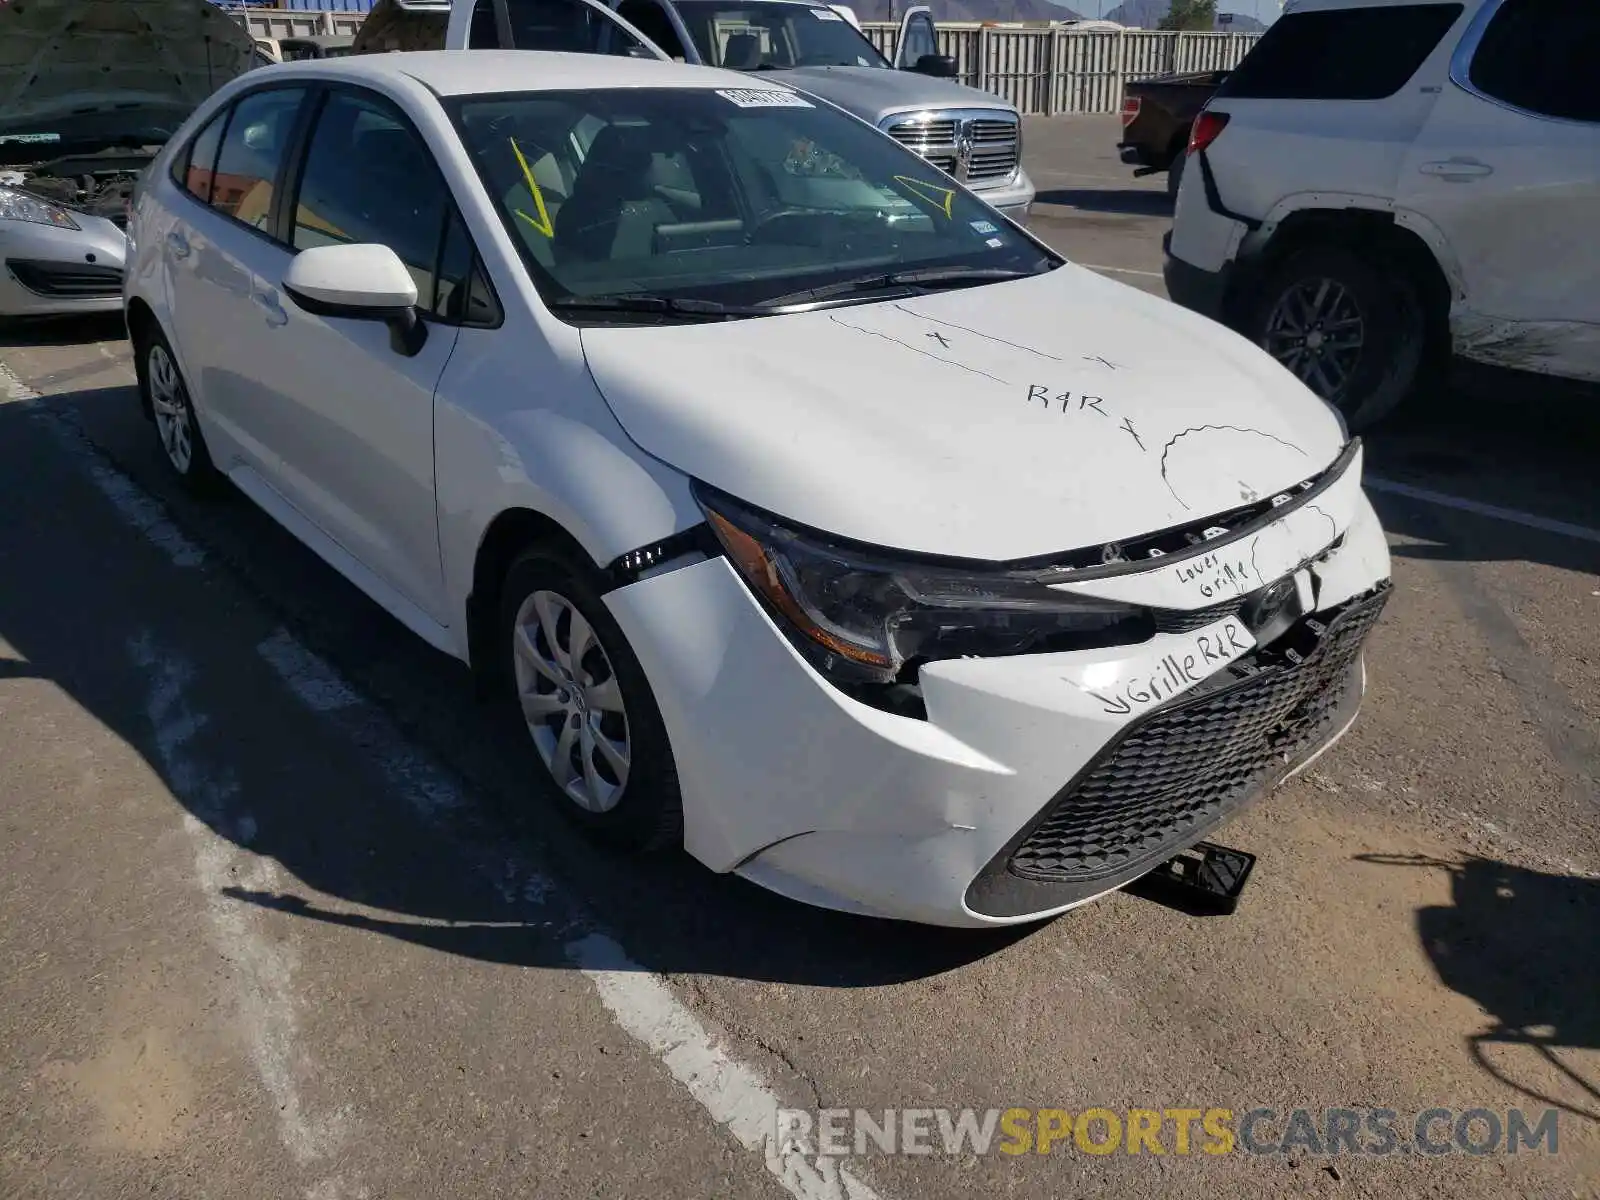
(1147, 14)
(968, 10)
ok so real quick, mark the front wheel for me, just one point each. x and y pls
(599, 747)
(1353, 333)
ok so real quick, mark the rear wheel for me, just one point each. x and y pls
(1350, 331)
(599, 748)
(166, 398)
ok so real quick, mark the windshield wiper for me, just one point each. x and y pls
(916, 277)
(644, 304)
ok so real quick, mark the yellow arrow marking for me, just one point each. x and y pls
(924, 190)
(543, 224)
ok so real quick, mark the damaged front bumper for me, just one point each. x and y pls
(1036, 782)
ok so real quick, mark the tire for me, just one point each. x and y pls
(166, 400)
(1175, 175)
(1337, 296)
(569, 724)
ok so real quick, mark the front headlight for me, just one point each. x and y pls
(19, 206)
(869, 615)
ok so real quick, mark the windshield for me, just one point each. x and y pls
(751, 37)
(735, 196)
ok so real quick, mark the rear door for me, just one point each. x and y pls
(1508, 169)
(1325, 105)
(919, 36)
(223, 265)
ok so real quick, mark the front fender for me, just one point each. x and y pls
(572, 465)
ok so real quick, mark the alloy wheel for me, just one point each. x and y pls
(1317, 330)
(171, 409)
(571, 700)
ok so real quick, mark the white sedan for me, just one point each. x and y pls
(808, 513)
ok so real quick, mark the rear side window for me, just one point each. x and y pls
(201, 162)
(1540, 55)
(1340, 54)
(252, 154)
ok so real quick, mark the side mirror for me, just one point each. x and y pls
(940, 66)
(359, 282)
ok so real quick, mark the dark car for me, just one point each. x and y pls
(1156, 117)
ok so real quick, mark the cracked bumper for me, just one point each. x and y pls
(807, 792)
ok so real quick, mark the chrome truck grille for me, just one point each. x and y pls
(978, 148)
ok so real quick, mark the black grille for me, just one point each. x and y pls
(1174, 620)
(1182, 770)
(67, 280)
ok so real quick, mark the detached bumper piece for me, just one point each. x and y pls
(66, 281)
(1204, 881)
(1179, 772)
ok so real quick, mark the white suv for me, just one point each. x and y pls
(1381, 183)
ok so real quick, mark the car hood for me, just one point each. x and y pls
(874, 93)
(60, 57)
(1009, 421)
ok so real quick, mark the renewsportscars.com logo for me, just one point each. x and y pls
(1375, 1132)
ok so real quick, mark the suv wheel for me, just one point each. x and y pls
(571, 682)
(1353, 334)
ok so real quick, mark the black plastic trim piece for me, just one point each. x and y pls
(1214, 197)
(628, 568)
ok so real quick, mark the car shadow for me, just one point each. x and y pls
(61, 331)
(1519, 943)
(1142, 202)
(333, 802)
(1496, 440)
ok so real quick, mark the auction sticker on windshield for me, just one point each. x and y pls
(764, 98)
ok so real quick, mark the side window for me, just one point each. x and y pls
(1340, 53)
(193, 171)
(252, 152)
(920, 40)
(483, 34)
(370, 178)
(1539, 55)
(650, 19)
(569, 25)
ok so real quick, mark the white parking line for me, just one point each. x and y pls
(1478, 508)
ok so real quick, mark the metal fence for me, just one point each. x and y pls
(1059, 70)
(1044, 70)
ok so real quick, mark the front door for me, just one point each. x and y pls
(919, 37)
(1507, 167)
(357, 458)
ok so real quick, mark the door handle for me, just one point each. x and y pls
(1457, 170)
(178, 244)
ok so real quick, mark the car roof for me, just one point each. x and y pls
(480, 72)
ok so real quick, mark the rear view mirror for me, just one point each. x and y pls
(940, 66)
(359, 282)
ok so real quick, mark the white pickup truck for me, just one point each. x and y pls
(974, 136)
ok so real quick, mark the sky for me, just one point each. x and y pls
(1262, 10)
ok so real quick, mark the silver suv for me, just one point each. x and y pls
(974, 136)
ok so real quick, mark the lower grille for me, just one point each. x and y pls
(1185, 768)
(73, 281)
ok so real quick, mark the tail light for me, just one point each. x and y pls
(1206, 128)
(1130, 110)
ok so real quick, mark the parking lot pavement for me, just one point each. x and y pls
(277, 920)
